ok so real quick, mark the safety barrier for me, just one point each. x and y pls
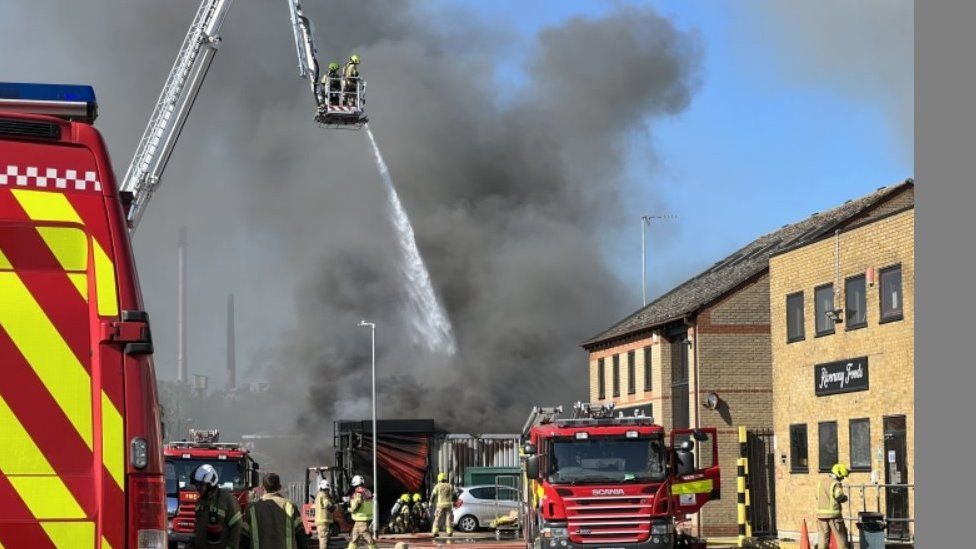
(859, 500)
(742, 490)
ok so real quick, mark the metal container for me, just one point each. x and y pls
(455, 453)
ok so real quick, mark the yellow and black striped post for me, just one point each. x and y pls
(742, 492)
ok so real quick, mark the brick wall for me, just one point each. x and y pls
(889, 348)
(734, 349)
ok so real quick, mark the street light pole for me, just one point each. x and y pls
(376, 520)
(645, 222)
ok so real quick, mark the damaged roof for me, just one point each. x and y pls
(724, 276)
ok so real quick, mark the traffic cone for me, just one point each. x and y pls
(833, 541)
(804, 536)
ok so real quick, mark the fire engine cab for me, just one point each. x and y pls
(596, 480)
(236, 471)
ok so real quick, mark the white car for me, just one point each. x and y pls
(477, 506)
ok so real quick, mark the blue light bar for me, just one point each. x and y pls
(73, 102)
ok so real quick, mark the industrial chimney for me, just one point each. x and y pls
(181, 313)
(231, 366)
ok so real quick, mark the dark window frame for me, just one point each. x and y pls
(795, 467)
(680, 397)
(616, 375)
(849, 325)
(821, 466)
(850, 437)
(601, 379)
(632, 372)
(891, 316)
(648, 380)
(802, 335)
(817, 312)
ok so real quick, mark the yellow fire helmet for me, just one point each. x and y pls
(441, 477)
(840, 471)
(405, 498)
(416, 497)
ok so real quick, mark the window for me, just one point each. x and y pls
(601, 380)
(486, 492)
(794, 317)
(891, 304)
(823, 298)
(679, 383)
(647, 368)
(631, 373)
(861, 444)
(616, 375)
(798, 449)
(855, 303)
(827, 437)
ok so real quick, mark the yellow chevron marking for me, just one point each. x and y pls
(108, 301)
(46, 351)
(70, 534)
(105, 544)
(46, 206)
(113, 445)
(80, 280)
(20, 456)
(47, 497)
(69, 246)
(4, 264)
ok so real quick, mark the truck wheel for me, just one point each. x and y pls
(468, 523)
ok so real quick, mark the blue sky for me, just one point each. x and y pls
(765, 142)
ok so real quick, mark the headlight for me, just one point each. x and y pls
(662, 528)
(555, 532)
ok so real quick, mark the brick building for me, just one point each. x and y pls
(844, 391)
(710, 334)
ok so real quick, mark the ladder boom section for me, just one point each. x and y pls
(308, 65)
(173, 106)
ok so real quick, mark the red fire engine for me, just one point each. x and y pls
(595, 480)
(236, 471)
(82, 463)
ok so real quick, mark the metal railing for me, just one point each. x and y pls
(338, 91)
(864, 502)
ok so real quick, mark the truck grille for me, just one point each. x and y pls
(23, 128)
(609, 519)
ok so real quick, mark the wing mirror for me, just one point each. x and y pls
(532, 467)
(529, 449)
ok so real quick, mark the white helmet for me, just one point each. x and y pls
(357, 481)
(323, 484)
(205, 474)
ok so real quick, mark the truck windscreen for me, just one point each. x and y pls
(230, 474)
(606, 460)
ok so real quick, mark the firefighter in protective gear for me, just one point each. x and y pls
(274, 521)
(361, 507)
(332, 83)
(442, 501)
(350, 81)
(323, 513)
(830, 496)
(396, 514)
(218, 516)
(419, 510)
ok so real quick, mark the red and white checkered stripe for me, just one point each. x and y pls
(48, 178)
(339, 108)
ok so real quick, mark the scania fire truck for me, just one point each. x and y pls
(236, 471)
(598, 481)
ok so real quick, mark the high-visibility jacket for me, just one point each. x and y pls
(351, 70)
(830, 495)
(218, 521)
(442, 496)
(361, 506)
(323, 508)
(274, 522)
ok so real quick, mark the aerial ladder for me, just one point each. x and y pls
(339, 101)
(172, 108)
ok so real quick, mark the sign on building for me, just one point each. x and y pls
(843, 376)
